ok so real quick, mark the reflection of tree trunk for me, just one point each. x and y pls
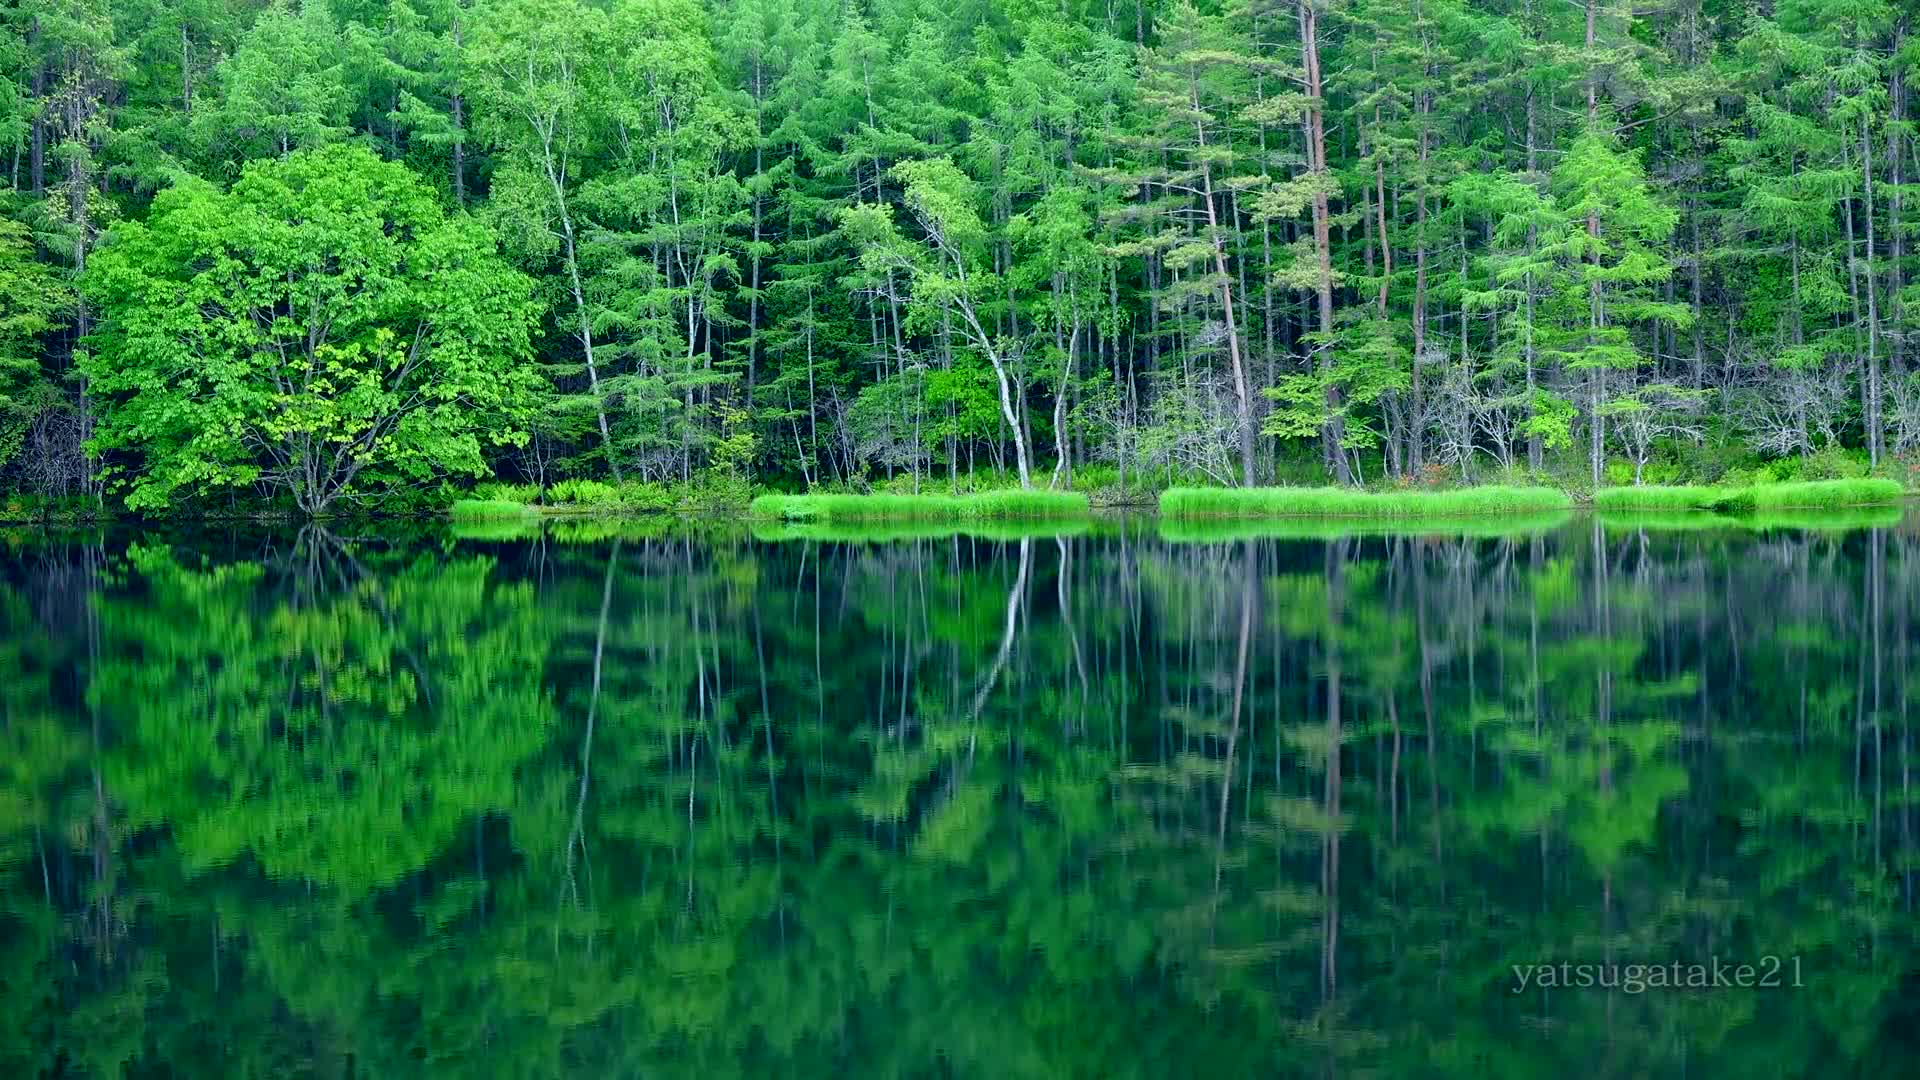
(1393, 774)
(1006, 639)
(1426, 706)
(1248, 593)
(1876, 606)
(102, 823)
(773, 782)
(576, 838)
(1066, 616)
(1330, 864)
(1603, 676)
(1603, 692)
(1903, 663)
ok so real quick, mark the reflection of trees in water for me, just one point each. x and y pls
(1088, 806)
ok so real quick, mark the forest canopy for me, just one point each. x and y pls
(801, 243)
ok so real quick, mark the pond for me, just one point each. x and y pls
(657, 799)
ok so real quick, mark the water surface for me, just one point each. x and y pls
(666, 801)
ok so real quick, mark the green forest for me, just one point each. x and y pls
(365, 254)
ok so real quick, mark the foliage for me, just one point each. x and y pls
(323, 329)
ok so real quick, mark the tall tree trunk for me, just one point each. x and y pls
(186, 71)
(1242, 392)
(1896, 117)
(457, 106)
(37, 154)
(585, 320)
(1063, 459)
(1333, 433)
(983, 340)
(1597, 384)
(1534, 447)
(1875, 415)
(1417, 421)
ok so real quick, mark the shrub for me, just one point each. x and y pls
(644, 495)
(1833, 463)
(579, 492)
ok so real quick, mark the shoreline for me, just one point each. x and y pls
(1695, 503)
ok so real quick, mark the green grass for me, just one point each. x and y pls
(489, 510)
(593, 498)
(1659, 497)
(1004, 505)
(1335, 502)
(1756, 499)
(1812, 495)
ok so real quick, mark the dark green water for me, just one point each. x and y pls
(701, 804)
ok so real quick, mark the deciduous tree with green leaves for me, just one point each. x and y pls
(324, 331)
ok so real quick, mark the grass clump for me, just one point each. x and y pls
(1753, 499)
(1337, 502)
(1662, 498)
(1005, 505)
(1812, 495)
(490, 510)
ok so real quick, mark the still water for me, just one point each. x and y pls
(664, 801)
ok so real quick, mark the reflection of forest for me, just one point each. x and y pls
(1094, 806)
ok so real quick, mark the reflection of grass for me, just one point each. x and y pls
(882, 533)
(492, 529)
(1857, 517)
(1005, 505)
(1838, 520)
(491, 510)
(575, 529)
(593, 530)
(1218, 530)
(1335, 502)
(1665, 520)
(1760, 498)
